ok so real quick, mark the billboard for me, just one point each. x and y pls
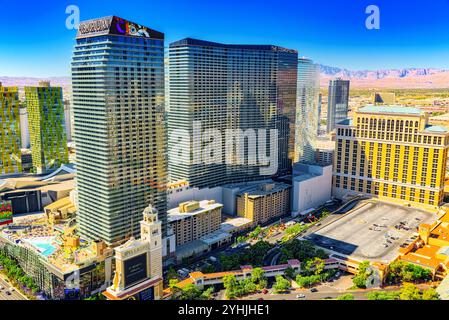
(116, 26)
(123, 27)
(5, 212)
(135, 270)
(147, 294)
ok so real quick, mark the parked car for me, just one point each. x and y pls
(264, 291)
(314, 290)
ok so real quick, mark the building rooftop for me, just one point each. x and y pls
(424, 256)
(204, 206)
(436, 129)
(393, 109)
(346, 122)
(234, 224)
(264, 189)
(196, 42)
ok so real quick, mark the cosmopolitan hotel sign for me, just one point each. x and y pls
(115, 26)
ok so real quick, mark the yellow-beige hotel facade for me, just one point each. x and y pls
(392, 153)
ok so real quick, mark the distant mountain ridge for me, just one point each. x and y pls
(32, 81)
(378, 74)
(405, 78)
(388, 78)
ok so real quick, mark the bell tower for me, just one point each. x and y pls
(151, 231)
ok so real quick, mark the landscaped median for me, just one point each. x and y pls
(23, 283)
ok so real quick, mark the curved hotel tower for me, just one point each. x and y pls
(308, 113)
(230, 87)
(119, 130)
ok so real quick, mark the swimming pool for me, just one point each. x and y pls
(43, 245)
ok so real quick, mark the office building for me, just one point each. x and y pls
(235, 87)
(264, 202)
(46, 124)
(392, 153)
(10, 137)
(119, 127)
(307, 110)
(337, 103)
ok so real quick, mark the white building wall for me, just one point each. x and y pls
(185, 193)
(24, 131)
(312, 192)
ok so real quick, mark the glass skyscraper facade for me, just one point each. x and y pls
(338, 102)
(119, 127)
(230, 87)
(308, 110)
(48, 138)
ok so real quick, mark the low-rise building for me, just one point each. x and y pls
(264, 202)
(431, 249)
(312, 186)
(192, 220)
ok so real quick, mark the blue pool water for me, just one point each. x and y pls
(45, 247)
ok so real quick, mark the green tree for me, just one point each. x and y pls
(307, 281)
(362, 276)
(347, 296)
(383, 295)
(290, 272)
(207, 294)
(409, 292)
(401, 271)
(281, 284)
(231, 285)
(171, 274)
(192, 292)
(430, 294)
(315, 265)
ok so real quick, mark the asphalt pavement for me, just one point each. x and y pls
(7, 287)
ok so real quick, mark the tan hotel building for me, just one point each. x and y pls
(392, 153)
(192, 220)
(264, 202)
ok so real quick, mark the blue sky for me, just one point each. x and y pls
(413, 33)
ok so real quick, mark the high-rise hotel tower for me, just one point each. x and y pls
(119, 127)
(46, 121)
(337, 103)
(308, 110)
(10, 142)
(229, 87)
(392, 153)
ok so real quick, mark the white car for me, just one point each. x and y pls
(300, 296)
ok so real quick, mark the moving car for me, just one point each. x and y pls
(300, 296)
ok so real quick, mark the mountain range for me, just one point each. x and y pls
(407, 78)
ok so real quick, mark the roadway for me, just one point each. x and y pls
(7, 287)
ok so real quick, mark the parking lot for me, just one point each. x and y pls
(372, 231)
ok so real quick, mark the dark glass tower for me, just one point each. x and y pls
(119, 127)
(225, 87)
(338, 102)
